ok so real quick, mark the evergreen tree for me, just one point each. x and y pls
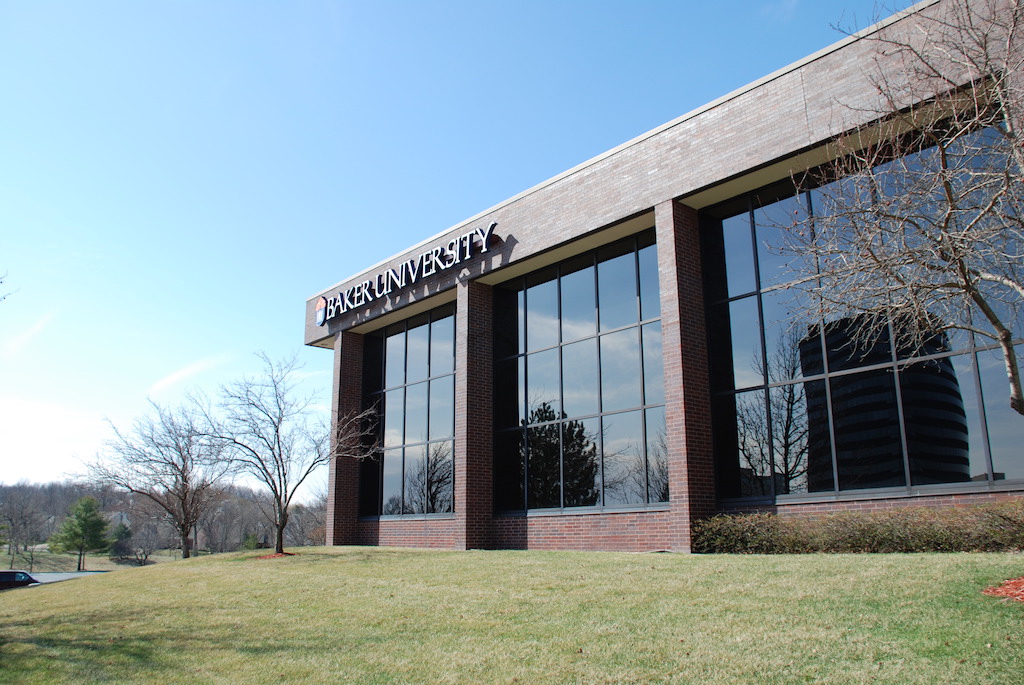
(84, 530)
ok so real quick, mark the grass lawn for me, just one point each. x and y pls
(394, 616)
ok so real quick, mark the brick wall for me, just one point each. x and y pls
(343, 477)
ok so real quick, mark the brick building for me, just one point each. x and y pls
(587, 364)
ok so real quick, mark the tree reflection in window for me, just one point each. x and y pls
(428, 485)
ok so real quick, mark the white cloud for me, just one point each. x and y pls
(780, 11)
(17, 343)
(188, 371)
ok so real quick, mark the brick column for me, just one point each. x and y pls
(343, 479)
(474, 434)
(687, 394)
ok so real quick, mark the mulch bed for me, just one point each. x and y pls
(1011, 589)
(277, 556)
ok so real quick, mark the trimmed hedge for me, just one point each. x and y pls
(996, 527)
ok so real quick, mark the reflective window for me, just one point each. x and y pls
(414, 473)
(811, 406)
(579, 417)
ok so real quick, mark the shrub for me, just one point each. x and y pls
(992, 527)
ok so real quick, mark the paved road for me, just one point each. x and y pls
(54, 577)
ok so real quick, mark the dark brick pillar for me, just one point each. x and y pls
(343, 479)
(474, 436)
(687, 395)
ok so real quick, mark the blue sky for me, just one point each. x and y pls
(177, 178)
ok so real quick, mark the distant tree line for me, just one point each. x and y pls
(171, 480)
(32, 517)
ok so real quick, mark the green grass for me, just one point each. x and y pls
(395, 616)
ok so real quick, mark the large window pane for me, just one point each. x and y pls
(754, 447)
(782, 337)
(654, 378)
(772, 223)
(616, 282)
(657, 456)
(544, 468)
(581, 473)
(625, 472)
(1005, 426)
(579, 378)
(739, 254)
(964, 367)
(442, 346)
(820, 474)
(509, 470)
(394, 417)
(935, 423)
(650, 292)
(415, 480)
(748, 365)
(442, 407)
(542, 311)
(416, 413)
(394, 359)
(620, 370)
(542, 386)
(579, 299)
(440, 478)
(789, 438)
(869, 449)
(392, 482)
(417, 351)
(509, 392)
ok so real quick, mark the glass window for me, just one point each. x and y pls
(650, 292)
(748, 364)
(581, 468)
(442, 408)
(542, 310)
(392, 482)
(579, 379)
(543, 468)
(772, 224)
(415, 472)
(440, 480)
(654, 378)
(575, 383)
(1004, 424)
(739, 255)
(442, 346)
(620, 370)
(867, 431)
(394, 355)
(579, 303)
(625, 470)
(542, 385)
(657, 455)
(416, 413)
(616, 279)
(417, 351)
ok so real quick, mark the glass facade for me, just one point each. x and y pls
(579, 389)
(410, 379)
(800, 406)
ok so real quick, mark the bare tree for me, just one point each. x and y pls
(21, 514)
(166, 458)
(918, 228)
(271, 432)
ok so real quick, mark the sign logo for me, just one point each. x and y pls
(432, 261)
(321, 311)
